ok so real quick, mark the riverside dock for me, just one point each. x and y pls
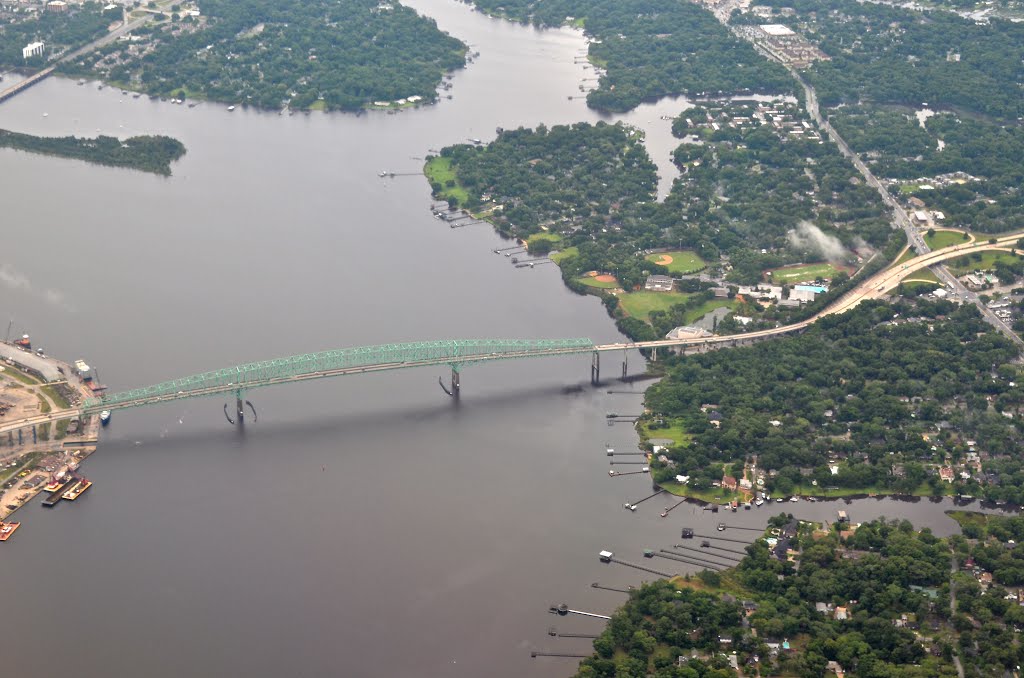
(58, 494)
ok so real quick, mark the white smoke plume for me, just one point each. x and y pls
(809, 238)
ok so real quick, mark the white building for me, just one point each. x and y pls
(802, 295)
(32, 49)
(688, 332)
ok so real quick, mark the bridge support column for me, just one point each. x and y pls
(595, 369)
(239, 407)
(455, 383)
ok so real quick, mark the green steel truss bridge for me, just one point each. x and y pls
(454, 353)
(459, 353)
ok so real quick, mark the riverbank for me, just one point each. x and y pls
(32, 456)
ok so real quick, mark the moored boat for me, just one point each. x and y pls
(7, 529)
(105, 417)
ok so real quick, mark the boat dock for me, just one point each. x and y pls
(58, 494)
(76, 491)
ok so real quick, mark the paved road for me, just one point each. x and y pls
(23, 85)
(125, 27)
(952, 609)
(901, 217)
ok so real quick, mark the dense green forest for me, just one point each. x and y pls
(574, 178)
(146, 153)
(743, 189)
(58, 30)
(874, 603)
(301, 53)
(885, 54)
(883, 393)
(653, 48)
(897, 147)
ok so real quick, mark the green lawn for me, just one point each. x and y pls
(986, 261)
(593, 282)
(943, 239)
(18, 375)
(561, 255)
(924, 275)
(906, 256)
(683, 261)
(803, 273)
(56, 397)
(438, 170)
(673, 431)
(640, 304)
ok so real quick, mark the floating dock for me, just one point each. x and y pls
(58, 494)
(8, 529)
(76, 491)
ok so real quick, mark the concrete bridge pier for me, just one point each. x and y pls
(456, 389)
(595, 369)
(239, 407)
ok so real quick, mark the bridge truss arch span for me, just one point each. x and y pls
(452, 352)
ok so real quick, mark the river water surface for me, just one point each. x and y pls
(365, 526)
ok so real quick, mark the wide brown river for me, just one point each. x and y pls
(364, 526)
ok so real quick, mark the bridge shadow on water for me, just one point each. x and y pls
(321, 425)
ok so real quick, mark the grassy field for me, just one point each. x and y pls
(943, 239)
(712, 495)
(601, 285)
(966, 264)
(805, 272)
(561, 255)
(18, 375)
(438, 170)
(683, 261)
(640, 304)
(924, 275)
(56, 397)
(674, 431)
(906, 256)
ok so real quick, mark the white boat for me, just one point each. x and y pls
(105, 417)
(231, 108)
(758, 502)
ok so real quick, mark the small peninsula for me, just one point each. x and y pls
(284, 54)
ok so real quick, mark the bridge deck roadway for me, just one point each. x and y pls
(874, 287)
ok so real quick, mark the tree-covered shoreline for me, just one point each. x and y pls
(872, 600)
(653, 48)
(144, 153)
(300, 54)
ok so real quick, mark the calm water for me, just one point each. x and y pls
(365, 526)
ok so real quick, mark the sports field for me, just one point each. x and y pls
(803, 273)
(601, 281)
(681, 262)
(640, 304)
